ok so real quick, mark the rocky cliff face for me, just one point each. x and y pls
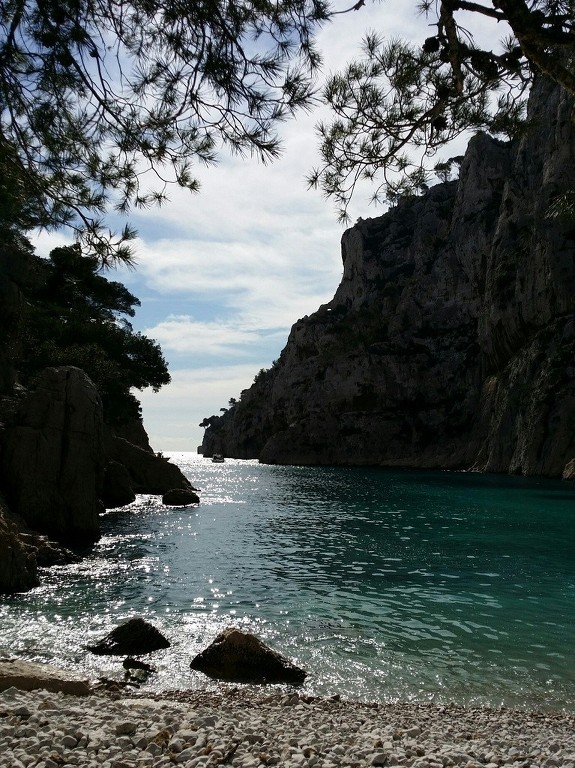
(52, 457)
(60, 465)
(18, 566)
(450, 341)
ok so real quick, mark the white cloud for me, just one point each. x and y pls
(184, 335)
(256, 246)
(172, 415)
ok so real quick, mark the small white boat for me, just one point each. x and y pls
(217, 458)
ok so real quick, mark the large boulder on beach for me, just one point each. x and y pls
(52, 457)
(241, 657)
(134, 637)
(28, 676)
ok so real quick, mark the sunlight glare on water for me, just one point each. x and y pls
(384, 585)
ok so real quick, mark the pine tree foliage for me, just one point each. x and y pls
(75, 316)
(100, 99)
(400, 103)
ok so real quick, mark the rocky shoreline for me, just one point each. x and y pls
(247, 728)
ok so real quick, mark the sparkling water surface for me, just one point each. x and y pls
(384, 585)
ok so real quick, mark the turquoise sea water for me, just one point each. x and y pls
(384, 585)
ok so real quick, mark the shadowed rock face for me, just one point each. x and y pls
(18, 567)
(451, 339)
(52, 457)
(148, 472)
(56, 469)
(240, 657)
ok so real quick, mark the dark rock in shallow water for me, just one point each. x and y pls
(23, 551)
(240, 657)
(180, 497)
(130, 663)
(46, 551)
(136, 636)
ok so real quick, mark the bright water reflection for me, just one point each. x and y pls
(385, 585)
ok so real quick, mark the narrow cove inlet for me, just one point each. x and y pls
(385, 586)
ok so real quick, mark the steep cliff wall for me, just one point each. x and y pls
(450, 341)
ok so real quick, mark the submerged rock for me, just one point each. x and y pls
(241, 657)
(136, 636)
(131, 664)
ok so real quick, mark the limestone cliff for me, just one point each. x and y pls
(450, 341)
(60, 463)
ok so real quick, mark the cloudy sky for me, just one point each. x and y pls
(223, 275)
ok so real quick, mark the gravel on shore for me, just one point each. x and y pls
(243, 729)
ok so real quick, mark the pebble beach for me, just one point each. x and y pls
(245, 729)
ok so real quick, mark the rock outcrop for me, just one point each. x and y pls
(52, 457)
(450, 341)
(59, 467)
(148, 472)
(240, 657)
(18, 566)
(117, 488)
(23, 551)
(180, 497)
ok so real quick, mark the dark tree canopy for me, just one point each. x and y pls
(401, 102)
(75, 316)
(98, 99)
(102, 104)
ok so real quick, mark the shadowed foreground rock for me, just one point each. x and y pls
(52, 457)
(240, 657)
(117, 488)
(136, 636)
(18, 568)
(28, 676)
